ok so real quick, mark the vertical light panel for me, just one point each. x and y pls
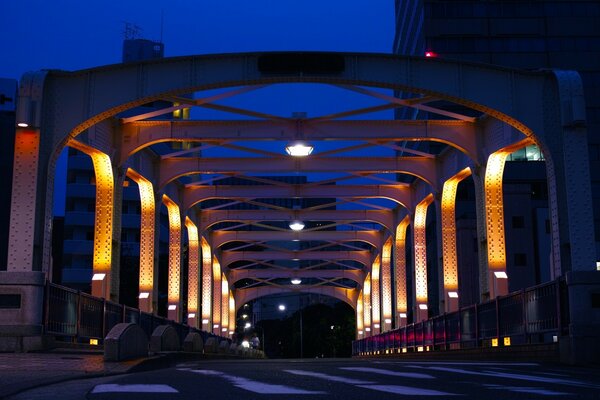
(193, 272)
(360, 325)
(174, 280)
(147, 232)
(375, 297)
(22, 208)
(386, 285)
(206, 285)
(216, 300)
(449, 258)
(231, 313)
(367, 305)
(103, 223)
(421, 257)
(400, 272)
(224, 305)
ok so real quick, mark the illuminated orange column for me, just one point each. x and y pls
(360, 325)
(367, 305)
(494, 218)
(103, 223)
(386, 285)
(193, 273)
(206, 285)
(400, 272)
(224, 305)
(216, 299)
(375, 297)
(174, 280)
(231, 313)
(421, 259)
(147, 232)
(449, 259)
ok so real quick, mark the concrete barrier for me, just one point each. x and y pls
(193, 343)
(224, 347)
(125, 341)
(164, 338)
(211, 346)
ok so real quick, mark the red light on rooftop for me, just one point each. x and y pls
(430, 54)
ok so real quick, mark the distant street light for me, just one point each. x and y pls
(247, 325)
(281, 307)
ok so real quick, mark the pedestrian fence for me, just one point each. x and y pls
(77, 317)
(537, 314)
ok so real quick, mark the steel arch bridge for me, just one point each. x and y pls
(355, 254)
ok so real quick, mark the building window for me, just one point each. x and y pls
(518, 222)
(520, 259)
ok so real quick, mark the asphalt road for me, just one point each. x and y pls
(335, 379)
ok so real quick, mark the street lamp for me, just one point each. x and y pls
(296, 225)
(281, 307)
(298, 149)
(247, 325)
(296, 281)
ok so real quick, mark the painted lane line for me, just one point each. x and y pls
(250, 385)
(389, 373)
(406, 390)
(134, 388)
(466, 363)
(531, 390)
(523, 377)
(331, 378)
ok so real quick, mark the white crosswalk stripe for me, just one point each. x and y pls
(379, 371)
(251, 385)
(406, 390)
(133, 388)
(332, 378)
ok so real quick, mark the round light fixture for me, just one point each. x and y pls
(296, 281)
(281, 307)
(296, 225)
(298, 149)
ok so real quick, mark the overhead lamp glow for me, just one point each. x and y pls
(500, 275)
(172, 307)
(281, 307)
(296, 225)
(247, 325)
(192, 315)
(98, 277)
(231, 332)
(22, 124)
(246, 344)
(368, 329)
(402, 315)
(453, 295)
(144, 295)
(205, 321)
(298, 149)
(422, 306)
(215, 326)
(388, 321)
(360, 332)
(296, 281)
(223, 329)
(377, 326)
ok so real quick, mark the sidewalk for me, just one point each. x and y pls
(22, 371)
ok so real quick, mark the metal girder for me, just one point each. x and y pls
(374, 238)
(421, 167)
(236, 275)
(211, 217)
(229, 257)
(137, 135)
(243, 296)
(194, 194)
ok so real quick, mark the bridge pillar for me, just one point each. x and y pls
(193, 273)
(216, 296)
(174, 279)
(386, 285)
(206, 308)
(400, 272)
(421, 311)
(375, 296)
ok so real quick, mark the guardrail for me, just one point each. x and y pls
(77, 317)
(534, 315)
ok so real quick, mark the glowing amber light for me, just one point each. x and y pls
(495, 342)
(231, 313)
(507, 341)
(216, 300)
(206, 281)
(360, 314)
(193, 267)
(386, 281)
(367, 303)
(146, 274)
(400, 267)
(421, 249)
(103, 231)
(174, 250)
(224, 302)
(450, 263)
(375, 308)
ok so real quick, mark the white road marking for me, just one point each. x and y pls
(250, 385)
(406, 390)
(328, 377)
(134, 388)
(389, 373)
(532, 390)
(509, 364)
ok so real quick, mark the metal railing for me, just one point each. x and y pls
(77, 317)
(533, 315)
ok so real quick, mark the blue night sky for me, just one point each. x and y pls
(72, 35)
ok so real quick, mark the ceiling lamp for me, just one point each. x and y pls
(298, 149)
(296, 281)
(296, 225)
